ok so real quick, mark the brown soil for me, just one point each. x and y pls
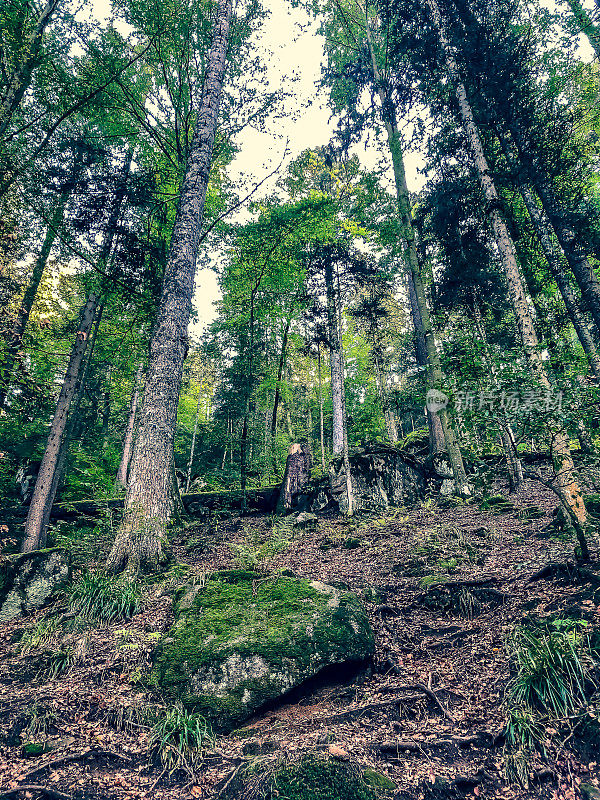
(444, 742)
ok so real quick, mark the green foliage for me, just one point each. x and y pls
(41, 634)
(104, 598)
(178, 738)
(258, 549)
(554, 668)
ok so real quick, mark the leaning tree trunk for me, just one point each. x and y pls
(568, 239)
(141, 540)
(45, 485)
(121, 479)
(544, 232)
(566, 483)
(405, 212)
(17, 83)
(15, 336)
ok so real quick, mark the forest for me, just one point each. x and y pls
(338, 540)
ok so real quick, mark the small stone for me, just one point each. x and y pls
(306, 520)
(337, 752)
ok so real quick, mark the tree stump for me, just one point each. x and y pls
(296, 477)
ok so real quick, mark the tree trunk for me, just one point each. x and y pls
(141, 540)
(278, 388)
(45, 485)
(321, 425)
(335, 360)
(390, 421)
(405, 212)
(15, 336)
(577, 259)
(513, 462)
(566, 483)
(17, 84)
(193, 446)
(345, 453)
(544, 233)
(121, 479)
(106, 406)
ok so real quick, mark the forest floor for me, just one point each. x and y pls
(428, 713)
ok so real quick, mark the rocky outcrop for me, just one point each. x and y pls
(382, 476)
(30, 580)
(243, 640)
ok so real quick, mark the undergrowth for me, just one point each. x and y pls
(555, 669)
(101, 597)
(179, 738)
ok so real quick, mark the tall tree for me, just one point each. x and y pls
(140, 543)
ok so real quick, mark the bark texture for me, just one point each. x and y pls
(296, 477)
(140, 543)
(45, 486)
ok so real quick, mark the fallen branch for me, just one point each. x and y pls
(463, 583)
(421, 688)
(32, 787)
(58, 762)
(566, 570)
(354, 713)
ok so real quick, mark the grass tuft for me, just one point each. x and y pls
(103, 598)
(179, 738)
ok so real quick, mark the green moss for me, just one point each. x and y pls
(351, 543)
(284, 626)
(33, 749)
(319, 779)
(378, 781)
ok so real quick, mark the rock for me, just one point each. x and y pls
(247, 641)
(34, 749)
(306, 520)
(382, 476)
(255, 747)
(28, 581)
(337, 752)
(589, 792)
(319, 502)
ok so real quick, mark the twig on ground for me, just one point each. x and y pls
(32, 787)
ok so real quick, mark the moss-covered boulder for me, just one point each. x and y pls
(310, 778)
(242, 641)
(29, 580)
